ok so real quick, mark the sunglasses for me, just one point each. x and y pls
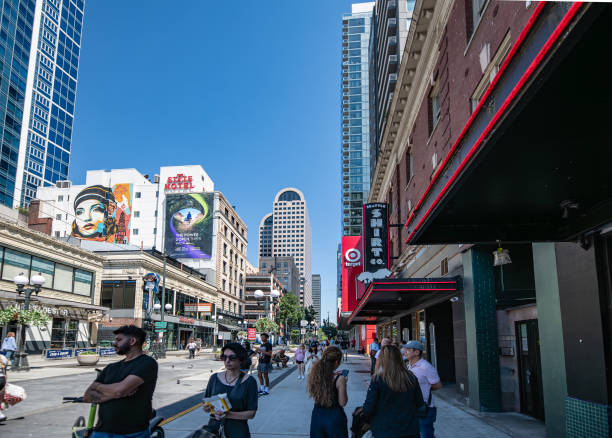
(230, 357)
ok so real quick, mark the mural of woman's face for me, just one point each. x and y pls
(90, 217)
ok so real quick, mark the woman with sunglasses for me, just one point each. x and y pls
(241, 390)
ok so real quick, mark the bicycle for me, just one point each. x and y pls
(83, 429)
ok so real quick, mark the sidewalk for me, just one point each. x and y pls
(286, 412)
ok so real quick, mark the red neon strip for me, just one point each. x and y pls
(362, 302)
(416, 282)
(519, 41)
(517, 88)
(409, 290)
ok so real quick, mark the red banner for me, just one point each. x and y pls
(352, 266)
(252, 334)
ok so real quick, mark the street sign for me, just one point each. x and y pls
(303, 331)
(161, 324)
(160, 330)
(303, 323)
(252, 334)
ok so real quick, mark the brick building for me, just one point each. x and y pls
(497, 116)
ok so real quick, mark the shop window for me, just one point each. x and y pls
(46, 269)
(64, 333)
(82, 282)
(15, 262)
(63, 278)
(118, 294)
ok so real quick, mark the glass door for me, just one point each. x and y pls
(530, 370)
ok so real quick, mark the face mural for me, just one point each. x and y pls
(103, 214)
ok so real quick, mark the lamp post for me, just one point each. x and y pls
(21, 357)
(216, 317)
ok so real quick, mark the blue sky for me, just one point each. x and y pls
(249, 90)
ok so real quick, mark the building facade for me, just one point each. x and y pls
(266, 227)
(355, 114)
(390, 22)
(473, 79)
(316, 296)
(41, 44)
(292, 236)
(261, 307)
(284, 269)
(70, 295)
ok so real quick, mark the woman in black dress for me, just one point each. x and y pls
(241, 390)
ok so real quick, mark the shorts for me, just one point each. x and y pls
(299, 362)
(264, 367)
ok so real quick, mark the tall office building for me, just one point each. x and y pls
(355, 155)
(316, 296)
(40, 44)
(291, 236)
(265, 236)
(390, 24)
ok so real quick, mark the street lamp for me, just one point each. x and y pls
(21, 357)
(216, 318)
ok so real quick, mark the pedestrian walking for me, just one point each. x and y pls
(191, 347)
(299, 356)
(3, 382)
(328, 390)
(393, 397)
(429, 381)
(265, 365)
(353, 344)
(241, 390)
(198, 346)
(311, 358)
(123, 390)
(248, 363)
(374, 347)
(9, 346)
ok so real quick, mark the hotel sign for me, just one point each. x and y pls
(179, 182)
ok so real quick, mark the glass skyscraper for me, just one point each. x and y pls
(40, 43)
(355, 152)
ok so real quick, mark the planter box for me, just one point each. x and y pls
(88, 359)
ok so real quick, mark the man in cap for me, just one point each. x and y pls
(429, 381)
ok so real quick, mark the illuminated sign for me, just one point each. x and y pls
(179, 182)
(376, 237)
(352, 266)
(202, 307)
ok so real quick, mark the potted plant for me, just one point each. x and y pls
(88, 358)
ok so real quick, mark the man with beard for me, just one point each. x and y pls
(124, 389)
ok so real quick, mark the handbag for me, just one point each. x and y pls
(13, 394)
(204, 432)
(423, 410)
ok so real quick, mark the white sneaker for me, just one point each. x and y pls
(2, 417)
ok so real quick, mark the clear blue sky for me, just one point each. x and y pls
(249, 90)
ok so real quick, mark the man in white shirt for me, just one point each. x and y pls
(374, 348)
(429, 380)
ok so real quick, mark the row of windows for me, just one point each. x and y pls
(57, 276)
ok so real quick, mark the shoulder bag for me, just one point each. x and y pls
(423, 410)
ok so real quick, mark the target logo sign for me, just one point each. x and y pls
(352, 257)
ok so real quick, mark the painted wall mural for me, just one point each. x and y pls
(189, 225)
(103, 213)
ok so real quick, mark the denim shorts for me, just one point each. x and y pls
(264, 367)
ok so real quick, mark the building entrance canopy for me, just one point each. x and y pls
(533, 162)
(387, 298)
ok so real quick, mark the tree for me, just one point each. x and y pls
(266, 325)
(330, 329)
(289, 310)
(310, 314)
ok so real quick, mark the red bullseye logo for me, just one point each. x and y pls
(352, 257)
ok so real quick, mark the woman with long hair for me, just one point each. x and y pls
(394, 393)
(328, 390)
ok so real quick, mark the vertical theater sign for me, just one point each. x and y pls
(376, 237)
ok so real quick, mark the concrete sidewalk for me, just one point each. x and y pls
(285, 413)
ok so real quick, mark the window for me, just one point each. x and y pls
(46, 269)
(225, 267)
(409, 166)
(135, 231)
(224, 282)
(136, 214)
(444, 266)
(137, 195)
(434, 107)
(58, 217)
(64, 333)
(60, 198)
(82, 282)
(490, 70)
(15, 262)
(57, 234)
(474, 10)
(63, 278)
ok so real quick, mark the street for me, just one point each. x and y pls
(179, 379)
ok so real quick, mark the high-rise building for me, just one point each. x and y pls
(291, 236)
(316, 296)
(355, 152)
(390, 24)
(265, 236)
(40, 44)
(284, 269)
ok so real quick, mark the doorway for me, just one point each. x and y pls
(184, 336)
(530, 369)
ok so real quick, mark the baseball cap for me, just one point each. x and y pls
(415, 345)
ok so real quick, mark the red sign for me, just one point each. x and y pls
(186, 320)
(352, 266)
(252, 334)
(179, 182)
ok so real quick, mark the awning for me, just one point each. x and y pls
(229, 327)
(389, 297)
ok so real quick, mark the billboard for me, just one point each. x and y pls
(189, 225)
(352, 266)
(103, 213)
(376, 237)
